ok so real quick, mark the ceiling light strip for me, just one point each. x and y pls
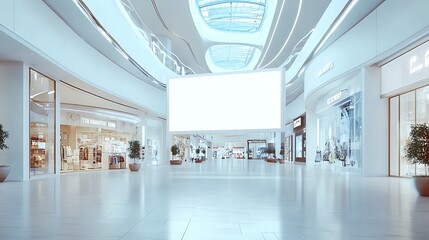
(272, 36)
(116, 45)
(336, 24)
(330, 31)
(288, 38)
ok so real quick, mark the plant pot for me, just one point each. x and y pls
(422, 185)
(198, 160)
(271, 160)
(176, 162)
(282, 161)
(134, 167)
(4, 172)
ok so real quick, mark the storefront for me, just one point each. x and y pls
(256, 148)
(339, 124)
(91, 141)
(405, 81)
(299, 133)
(71, 137)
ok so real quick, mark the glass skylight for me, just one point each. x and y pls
(231, 57)
(233, 15)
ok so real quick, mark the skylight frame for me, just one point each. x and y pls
(231, 56)
(244, 16)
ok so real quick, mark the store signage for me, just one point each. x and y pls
(325, 69)
(416, 64)
(99, 123)
(334, 98)
(297, 123)
(256, 141)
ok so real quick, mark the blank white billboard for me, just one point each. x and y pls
(226, 102)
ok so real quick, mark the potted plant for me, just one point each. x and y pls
(282, 152)
(134, 153)
(204, 154)
(198, 158)
(175, 150)
(271, 158)
(4, 169)
(417, 151)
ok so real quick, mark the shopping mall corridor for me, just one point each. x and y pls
(218, 199)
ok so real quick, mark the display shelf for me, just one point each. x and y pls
(38, 154)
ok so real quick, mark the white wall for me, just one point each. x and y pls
(155, 132)
(394, 25)
(295, 109)
(407, 72)
(374, 124)
(351, 50)
(109, 14)
(14, 107)
(311, 136)
(398, 20)
(34, 24)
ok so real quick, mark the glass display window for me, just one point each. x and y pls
(91, 141)
(339, 133)
(42, 124)
(405, 110)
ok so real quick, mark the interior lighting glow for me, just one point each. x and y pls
(231, 56)
(105, 35)
(288, 38)
(337, 23)
(236, 16)
(226, 102)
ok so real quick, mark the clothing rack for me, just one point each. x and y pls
(117, 160)
(90, 156)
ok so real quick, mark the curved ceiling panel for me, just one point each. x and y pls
(233, 16)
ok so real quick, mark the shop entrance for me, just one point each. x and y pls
(405, 110)
(256, 148)
(300, 139)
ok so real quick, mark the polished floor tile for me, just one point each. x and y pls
(217, 199)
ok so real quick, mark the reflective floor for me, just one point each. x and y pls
(218, 199)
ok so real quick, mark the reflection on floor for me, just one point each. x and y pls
(217, 199)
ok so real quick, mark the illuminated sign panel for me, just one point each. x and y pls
(223, 102)
(99, 123)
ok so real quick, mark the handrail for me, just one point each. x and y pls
(164, 55)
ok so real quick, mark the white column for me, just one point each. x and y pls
(209, 153)
(311, 135)
(57, 157)
(14, 107)
(374, 124)
(277, 143)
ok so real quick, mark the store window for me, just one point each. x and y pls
(339, 132)
(42, 124)
(300, 139)
(405, 110)
(256, 148)
(92, 141)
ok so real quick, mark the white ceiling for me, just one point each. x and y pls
(172, 18)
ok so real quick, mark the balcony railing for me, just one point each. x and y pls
(164, 55)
